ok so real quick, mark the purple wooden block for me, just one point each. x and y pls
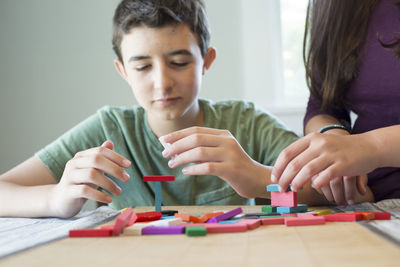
(163, 230)
(225, 216)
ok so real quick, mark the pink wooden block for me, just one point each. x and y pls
(304, 220)
(251, 223)
(225, 228)
(268, 221)
(284, 199)
(122, 221)
(158, 178)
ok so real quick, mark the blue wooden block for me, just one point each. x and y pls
(158, 196)
(273, 188)
(298, 208)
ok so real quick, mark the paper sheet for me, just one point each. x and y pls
(389, 229)
(17, 234)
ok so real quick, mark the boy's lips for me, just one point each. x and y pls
(167, 101)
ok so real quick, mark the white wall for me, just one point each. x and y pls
(56, 67)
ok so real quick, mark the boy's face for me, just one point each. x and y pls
(164, 67)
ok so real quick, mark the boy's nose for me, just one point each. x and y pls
(162, 78)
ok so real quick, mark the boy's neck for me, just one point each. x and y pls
(194, 117)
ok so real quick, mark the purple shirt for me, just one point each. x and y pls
(374, 96)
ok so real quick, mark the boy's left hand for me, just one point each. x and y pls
(215, 152)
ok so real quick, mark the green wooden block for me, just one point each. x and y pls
(268, 209)
(196, 231)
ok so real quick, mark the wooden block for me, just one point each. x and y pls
(166, 222)
(273, 188)
(299, 208)
(366, 215)
(135, 229)
(122, 221)
(284, 199)
(268, 209)
(187, 218)
(168, 212)
(196, 231)
(208, 216)
(163, 230)
(304, 220)
(145, 217)
(269, 221)
(226, 215)
(323, 212)
(108, 227)
(251, 223)
(225, 228)
(158, 178)
(342, 217)
(382, 215)
(90, 232)
(231, 221)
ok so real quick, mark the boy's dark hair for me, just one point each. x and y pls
(158, 13)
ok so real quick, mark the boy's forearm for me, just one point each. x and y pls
(24, 201)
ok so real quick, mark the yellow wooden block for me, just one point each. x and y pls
(323, 212)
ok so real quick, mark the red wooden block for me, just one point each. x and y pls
(284, 199)
(382, 215)
(145, 217)
(158, 178)
(277, 220)
(304, 220)
(122, 221)
(187, 218)
(342, 217)
(366, 215)
(225, 228)
(251, 223)
(90, 232)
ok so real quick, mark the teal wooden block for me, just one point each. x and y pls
(298, 208)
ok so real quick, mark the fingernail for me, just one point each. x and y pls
(165, 152)
(119, 190)
(126, 176)
(109, 199)
(184, 170)
(273, 178)
(171, 163)
(126, 163)
(280, 188)
(350, 202)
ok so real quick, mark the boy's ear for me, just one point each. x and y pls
(121, 69)
(209, 58)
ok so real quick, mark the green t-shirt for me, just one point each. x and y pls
(259, 134)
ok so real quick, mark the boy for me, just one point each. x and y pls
(163, 50)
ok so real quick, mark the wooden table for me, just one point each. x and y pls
(332, 244)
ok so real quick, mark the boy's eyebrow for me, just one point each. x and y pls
(180, 52)
(173, 53)
(137, 58)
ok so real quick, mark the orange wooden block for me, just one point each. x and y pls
(208, 216)
(187, 218)
(366, 215)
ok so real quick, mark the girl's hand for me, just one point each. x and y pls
(216, 152)
(324, 157)
(84, 175)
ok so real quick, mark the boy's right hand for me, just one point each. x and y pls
(84, 175)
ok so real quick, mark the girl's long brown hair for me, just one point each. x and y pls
(335, 30)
